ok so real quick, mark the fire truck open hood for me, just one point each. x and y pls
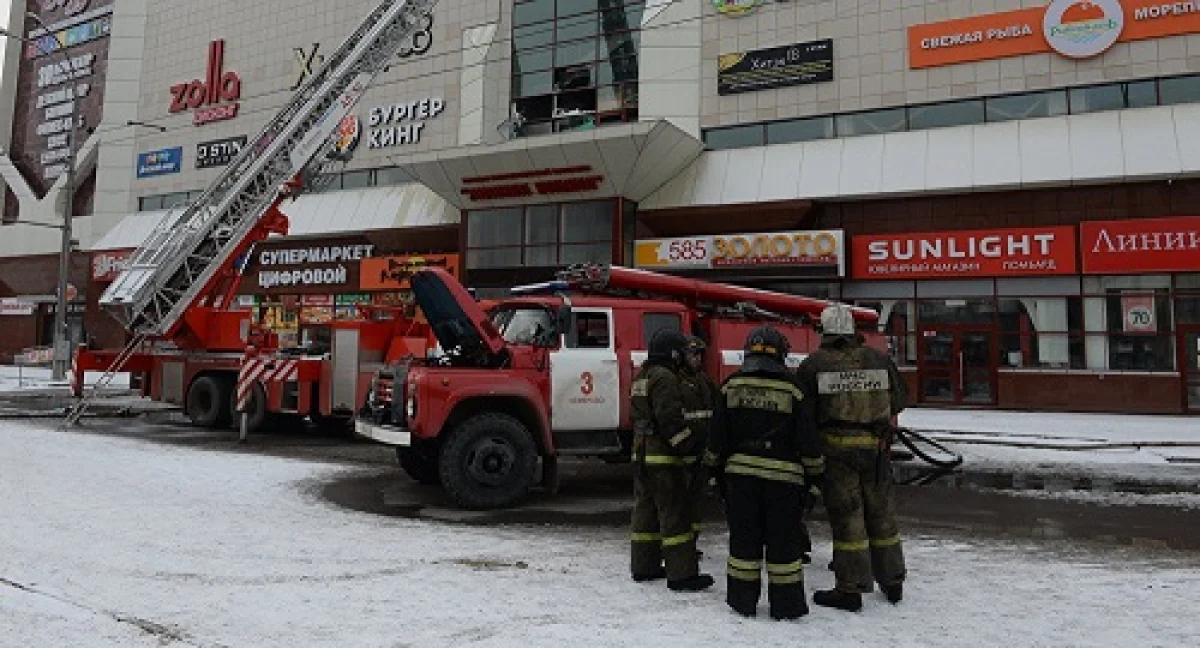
(456, 318)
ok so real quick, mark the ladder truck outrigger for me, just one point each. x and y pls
(188, 341)
(545, 373)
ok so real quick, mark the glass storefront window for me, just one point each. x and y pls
(1128, 323)
(1027, 106)
(1178, 90)
(1086, 100)
(541, 235)
(736, 137)
(958, 113)
(888, 120)
(799, 130)
(1141, 94)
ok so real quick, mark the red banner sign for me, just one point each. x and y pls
(967, 253)
(1146, 245)
(108, 264)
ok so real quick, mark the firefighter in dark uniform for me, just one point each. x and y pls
(765, 456)
(665, 451)
(699, 394)
(858, 391)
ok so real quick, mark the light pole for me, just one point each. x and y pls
(62, 344)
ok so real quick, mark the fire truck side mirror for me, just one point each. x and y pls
(563, 322)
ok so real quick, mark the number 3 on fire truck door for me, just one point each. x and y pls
(584, 374)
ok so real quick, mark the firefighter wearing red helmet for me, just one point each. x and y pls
(858, 390)
(765, 457)
(666, 446)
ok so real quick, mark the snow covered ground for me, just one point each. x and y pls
(15, 378)
(118, 542)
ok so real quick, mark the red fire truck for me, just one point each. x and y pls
(545, 374)
(189, 342)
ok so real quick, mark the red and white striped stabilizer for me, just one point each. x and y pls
(265, 369)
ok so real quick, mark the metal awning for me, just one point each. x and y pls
(335, 212)
(621, 160)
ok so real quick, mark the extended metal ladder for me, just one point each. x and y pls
(180, 258)
(81, 408)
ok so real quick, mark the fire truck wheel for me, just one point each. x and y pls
(488, 462)
(421, 466)
(208, 401)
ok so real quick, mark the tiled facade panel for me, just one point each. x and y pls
(261, 43)
(871, 69)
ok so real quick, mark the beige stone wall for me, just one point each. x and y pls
(870, 44)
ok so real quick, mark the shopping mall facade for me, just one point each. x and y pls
(1014, 185)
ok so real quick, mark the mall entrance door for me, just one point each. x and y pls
(957, 365)
(1189, 361)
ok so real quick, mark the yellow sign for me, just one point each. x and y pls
(799, 248)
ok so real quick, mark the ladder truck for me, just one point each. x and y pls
(545, 373)
(187, 339)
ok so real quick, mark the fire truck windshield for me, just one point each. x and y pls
(525, 326)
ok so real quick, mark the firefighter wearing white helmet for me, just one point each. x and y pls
(858, 391)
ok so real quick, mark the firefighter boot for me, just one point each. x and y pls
(695, 583)
(838, 600)
(661, 572)
(894, 593)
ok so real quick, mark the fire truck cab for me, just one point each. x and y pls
(541, 375)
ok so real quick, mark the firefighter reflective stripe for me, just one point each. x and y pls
(645, 537)
(863, 380)
(697, 527)
(845, 441)
(641, 387)
(763, 468)
(859, 545)
(762, 473)
(680, 438)
(885, 542)
(675, 540)
(667, 460)
(744, 570)
(813, 465)
(694, 415)
(769, 464)
(765, 383)
(785, 574)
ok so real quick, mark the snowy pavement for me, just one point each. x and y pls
(14, 378)
(117, 542)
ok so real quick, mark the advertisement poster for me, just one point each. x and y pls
(777, 67)
(282, 319)
(394, 272)
(346, 306)
(815, 249)
(316, 310)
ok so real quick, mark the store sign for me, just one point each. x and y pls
(776, 67)
(157, 163)
(969, 253)
(310, 59)
(68, 7)
(402, 123)
(10, 306)
(1138, 314)
(303, 269)
(106, 266)
(395, 272)
(47, 43)
(219, 153)
(215, 97)
(1144, 245)
(823, 248)
(736, 8)
(1071, 28)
